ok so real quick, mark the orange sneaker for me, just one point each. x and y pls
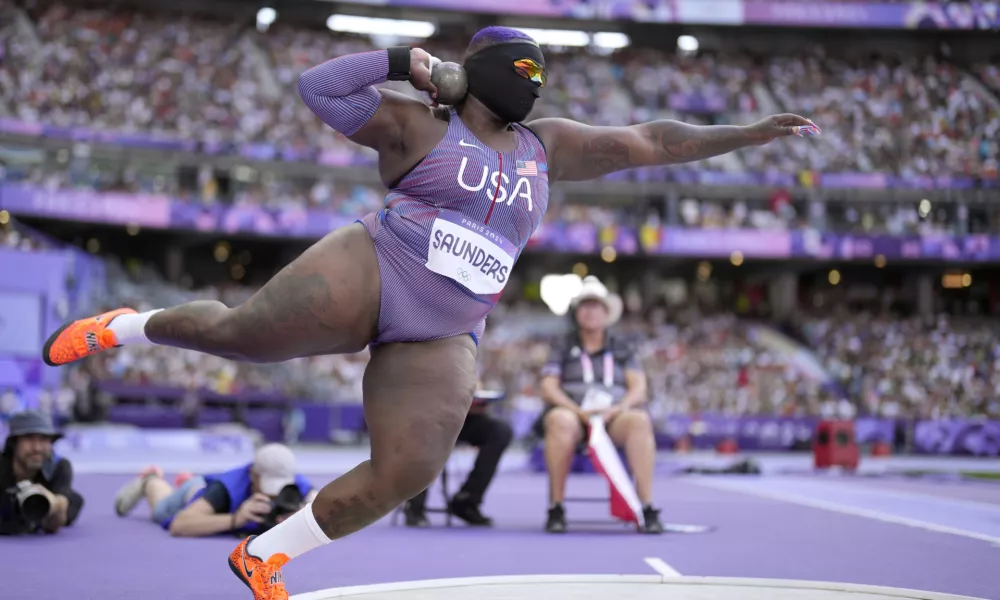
(262, 577)
(80, 339)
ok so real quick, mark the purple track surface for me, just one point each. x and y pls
(106, 558)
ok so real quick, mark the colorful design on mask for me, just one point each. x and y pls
(531, 70)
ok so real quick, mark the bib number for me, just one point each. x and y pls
(470, 253)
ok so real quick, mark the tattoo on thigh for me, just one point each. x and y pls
(299, 301)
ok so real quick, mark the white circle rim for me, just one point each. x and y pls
(405, 586)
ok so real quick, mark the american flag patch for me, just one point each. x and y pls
(527, 168)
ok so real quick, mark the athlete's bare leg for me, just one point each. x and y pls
(325, 302)
(417, 396)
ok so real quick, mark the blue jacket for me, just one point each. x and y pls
(237, 484)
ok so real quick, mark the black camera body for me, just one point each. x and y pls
(34, 505)
(289, 500)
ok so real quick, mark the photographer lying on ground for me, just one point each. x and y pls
(248, 499)
(35, 492)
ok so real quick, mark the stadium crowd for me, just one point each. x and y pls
(937, 368)
(224, 85)
(219, 84)
(136, 73)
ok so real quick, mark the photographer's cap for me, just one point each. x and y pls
(275, 465)
(32, 422)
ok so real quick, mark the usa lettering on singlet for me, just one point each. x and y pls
(470, 253)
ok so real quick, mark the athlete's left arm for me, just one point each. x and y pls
(576, 152)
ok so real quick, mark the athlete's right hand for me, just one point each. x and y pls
(253, 510)
(420, 71)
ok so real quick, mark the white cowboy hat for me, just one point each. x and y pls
(593, 289)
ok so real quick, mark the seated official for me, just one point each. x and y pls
(36, 491)
(491, 436)
(245, 500)
(594, 368)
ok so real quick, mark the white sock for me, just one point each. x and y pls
(131, 329)
(297, 535)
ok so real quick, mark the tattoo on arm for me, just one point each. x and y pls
(605, 154)
(678, 142)
(591, 152)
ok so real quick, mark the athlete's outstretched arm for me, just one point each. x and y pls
(576, 151)
(340, 91)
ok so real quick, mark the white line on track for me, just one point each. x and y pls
(926, 496)
(850, 510)
(661, 567)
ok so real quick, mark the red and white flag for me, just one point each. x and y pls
(625, 504)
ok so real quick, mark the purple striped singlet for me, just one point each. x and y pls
(449, 234)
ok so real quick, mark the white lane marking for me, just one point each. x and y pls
(661, 567)
(850, 510)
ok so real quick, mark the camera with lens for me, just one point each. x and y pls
(288, 501)
(34, 505)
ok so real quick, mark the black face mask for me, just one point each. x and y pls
(495, 83)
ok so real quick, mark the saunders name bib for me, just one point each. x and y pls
(473, 254)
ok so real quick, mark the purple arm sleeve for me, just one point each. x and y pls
(340, 91)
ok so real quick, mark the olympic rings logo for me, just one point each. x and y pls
(465, 275)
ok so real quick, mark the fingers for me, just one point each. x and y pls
(249, 515)
(257, 513)
(791, 124)
(257, 506)
(790, 119)
(423, 55)
(808, 130)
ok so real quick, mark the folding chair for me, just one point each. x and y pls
(581, 462)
